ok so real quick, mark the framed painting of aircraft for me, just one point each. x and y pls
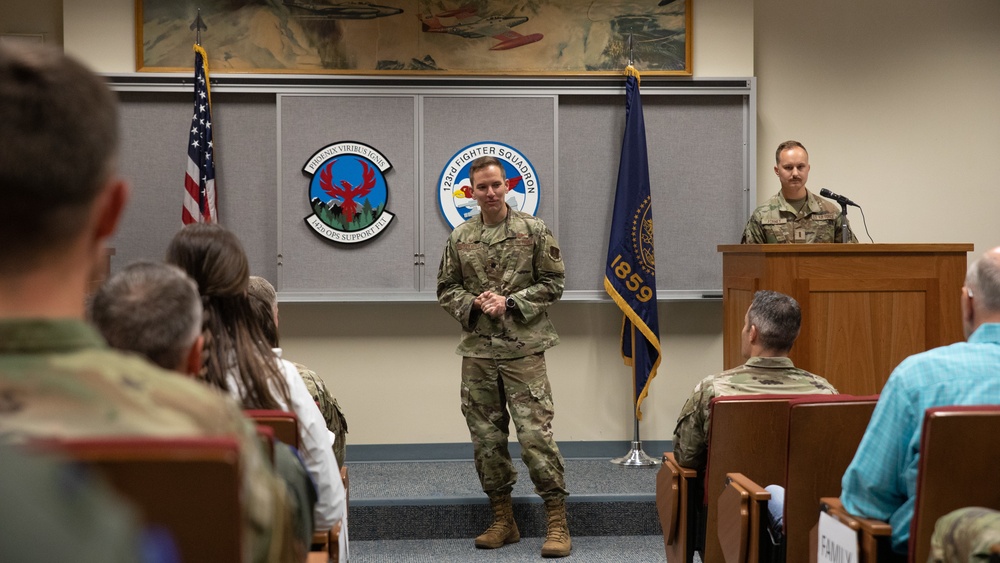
(417, 37)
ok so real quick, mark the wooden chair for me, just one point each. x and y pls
(823, 434)
(285, 426)
(748, 433)
(265, 434)
(326, 546)
(284, 423)
(675, 487)
(189, 486)
(955, 470)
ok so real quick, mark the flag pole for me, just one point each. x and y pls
(635, 457)
(630, 274)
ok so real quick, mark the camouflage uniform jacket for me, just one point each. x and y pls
(334, 417)
(965, 535)
(524, 263)
(59, 379)
(778, 222)
(771, 376)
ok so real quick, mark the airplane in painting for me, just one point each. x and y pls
(464, 22)
(346, 10)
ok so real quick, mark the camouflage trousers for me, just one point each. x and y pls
(965, 535)
(493, 393)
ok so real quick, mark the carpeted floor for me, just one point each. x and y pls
(423, 511)
(376, 482)
(586, 549)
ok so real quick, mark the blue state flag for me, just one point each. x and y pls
(630, 276)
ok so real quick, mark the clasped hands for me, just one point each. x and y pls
(492, 304)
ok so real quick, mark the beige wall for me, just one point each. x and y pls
(33, 17)
(898, 106)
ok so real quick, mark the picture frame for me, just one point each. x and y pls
(417, 37)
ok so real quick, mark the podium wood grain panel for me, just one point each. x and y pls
(865, 307)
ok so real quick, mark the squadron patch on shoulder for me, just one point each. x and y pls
(349, 195)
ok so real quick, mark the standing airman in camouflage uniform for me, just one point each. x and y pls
(794, 214)
(966, 535)
(500, 272)
(770, 328)
(63, 199)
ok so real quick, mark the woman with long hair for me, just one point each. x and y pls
(238, 359)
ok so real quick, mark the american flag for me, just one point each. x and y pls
(199, 182)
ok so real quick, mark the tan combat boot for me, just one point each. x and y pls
(557, 541)
(503, 530)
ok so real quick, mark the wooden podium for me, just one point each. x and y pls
(865, 307)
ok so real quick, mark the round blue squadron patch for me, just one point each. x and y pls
(455, 189)
(348, 192)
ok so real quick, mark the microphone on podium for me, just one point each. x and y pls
(843, 200)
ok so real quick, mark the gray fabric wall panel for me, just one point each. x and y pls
(451, 123)
(154, 139)
(310, 263)
(698, 173)
(697, 176)
(590, 137)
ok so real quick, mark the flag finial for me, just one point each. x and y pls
(197, 25)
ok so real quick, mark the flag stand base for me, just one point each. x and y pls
(635, 457)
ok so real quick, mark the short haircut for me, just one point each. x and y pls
(263, 304)
(483, 162)
(785, 146)
(58, 148)
(152, 309)
(777, 318)
(983, 279)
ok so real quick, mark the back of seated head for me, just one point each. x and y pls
(264, 306)
(983, 279)
(235, 346)
(153, 309)
(778, 319)
(59, 133)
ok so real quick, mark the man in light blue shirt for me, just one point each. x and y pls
(881, 481)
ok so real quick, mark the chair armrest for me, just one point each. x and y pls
(670, 503)
(749, 485)
(347, 485)
(321, 541)
(335, 543)
(868, 526)
(741, 504)
(874, 536)
(327, 544)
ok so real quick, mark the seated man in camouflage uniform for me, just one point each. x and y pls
(770, 328)
(264, 302)
(794, 214)
(63, 199)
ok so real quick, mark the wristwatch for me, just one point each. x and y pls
(510, 303)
